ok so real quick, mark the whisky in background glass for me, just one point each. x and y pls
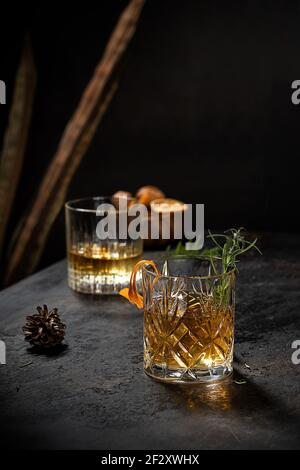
(96, 266)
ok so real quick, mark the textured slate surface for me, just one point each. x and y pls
(94, 395)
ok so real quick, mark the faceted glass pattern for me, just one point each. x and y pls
(188, 325)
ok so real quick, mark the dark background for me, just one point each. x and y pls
(203, 109)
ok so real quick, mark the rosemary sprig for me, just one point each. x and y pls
(235, 244)
(227, 249)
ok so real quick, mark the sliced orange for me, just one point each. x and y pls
(131, 293)
(167, 205)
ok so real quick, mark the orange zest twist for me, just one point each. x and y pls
(132, 294)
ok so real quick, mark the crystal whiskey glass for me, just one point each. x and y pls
(188, 321)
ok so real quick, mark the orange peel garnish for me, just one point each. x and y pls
(131, 293)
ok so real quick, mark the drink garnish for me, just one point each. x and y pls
(132, 293)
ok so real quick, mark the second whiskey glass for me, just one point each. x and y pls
(97, 266)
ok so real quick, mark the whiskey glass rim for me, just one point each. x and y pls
(186, 276)
(73, 204)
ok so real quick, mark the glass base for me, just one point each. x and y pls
(191, 376)
(101, 284)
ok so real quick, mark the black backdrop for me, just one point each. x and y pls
(203, 110)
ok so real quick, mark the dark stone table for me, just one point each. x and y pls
(94, 395)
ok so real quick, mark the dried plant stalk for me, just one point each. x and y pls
(15, 138)
(41, 230)
(79, 132)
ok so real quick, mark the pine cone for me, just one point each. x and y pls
(44, 329)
